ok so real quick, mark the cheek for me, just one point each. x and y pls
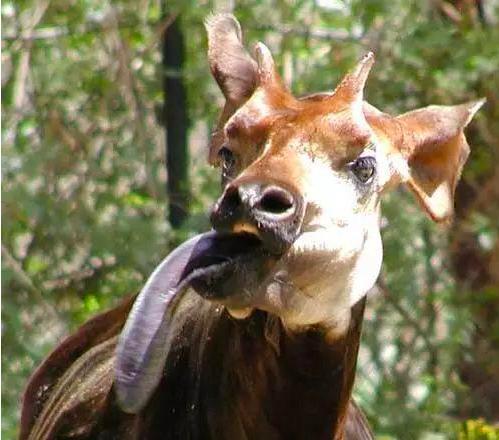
(330, 244)
(322, 276)
(367, 267)
(319, 259)
(312, 283)
(334, 196)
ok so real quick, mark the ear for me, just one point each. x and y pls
(232, 67)
(230, 63)
(435, 149)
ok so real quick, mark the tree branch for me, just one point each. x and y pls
(97, 26)
(24, 279)
(82, 275)
(381, 285)
(317, 33)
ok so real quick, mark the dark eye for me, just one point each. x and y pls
(228, 162)
(364, 168)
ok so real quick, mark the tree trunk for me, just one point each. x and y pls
(177, 122)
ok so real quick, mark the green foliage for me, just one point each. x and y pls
(477, 430)
(83, 191)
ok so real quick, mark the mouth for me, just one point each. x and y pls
(219, 250)
(220, 264)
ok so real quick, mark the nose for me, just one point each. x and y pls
(247, 202)
(267, 210)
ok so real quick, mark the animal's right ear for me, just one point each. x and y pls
(232, 67)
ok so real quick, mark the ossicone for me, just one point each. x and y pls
(351, 88)
(267, 72)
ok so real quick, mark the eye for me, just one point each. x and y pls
(364, 168)
(228, 160)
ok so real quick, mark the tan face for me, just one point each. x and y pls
(328, 161)
(305, 177)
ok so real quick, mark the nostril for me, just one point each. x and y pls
(231, 200)
(226, 209)
(275, 200)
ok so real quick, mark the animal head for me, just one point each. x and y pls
(305, 177)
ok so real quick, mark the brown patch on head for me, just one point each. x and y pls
(279, 121)
(249, 128)
(280, 166)
(338, 136)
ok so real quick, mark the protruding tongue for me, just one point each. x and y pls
(141, 352)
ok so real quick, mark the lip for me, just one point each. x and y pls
(224, 263)
(220, 250)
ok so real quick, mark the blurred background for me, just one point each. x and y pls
(93, 199)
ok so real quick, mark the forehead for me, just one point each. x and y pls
(313, 126)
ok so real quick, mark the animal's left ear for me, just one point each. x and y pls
(434, 147)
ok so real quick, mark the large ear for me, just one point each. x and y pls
(435, 149)
(232, 67)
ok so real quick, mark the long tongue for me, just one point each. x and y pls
(141, 352)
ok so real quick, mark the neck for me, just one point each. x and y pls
(253, 379)
(317, 379)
